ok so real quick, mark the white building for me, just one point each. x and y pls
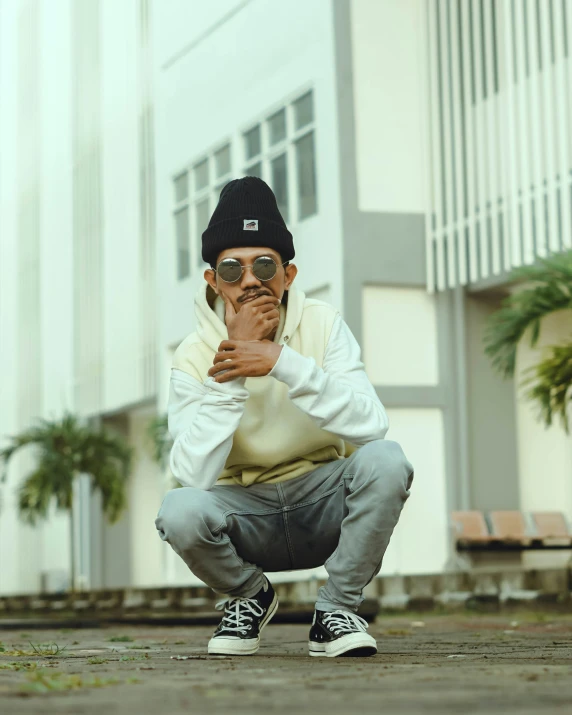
(119, 124)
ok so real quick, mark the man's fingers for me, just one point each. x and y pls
(263, 300)
(228, 376)
(222, 357)
(229, 307)
(217, 367)
(227, 345)
(267, 307)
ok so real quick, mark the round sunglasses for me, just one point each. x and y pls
(264, 268)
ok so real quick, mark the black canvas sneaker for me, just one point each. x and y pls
(336, 633)
(244, 618)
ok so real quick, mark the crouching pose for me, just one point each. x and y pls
(279, 439)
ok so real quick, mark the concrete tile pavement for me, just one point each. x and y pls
(434, 664)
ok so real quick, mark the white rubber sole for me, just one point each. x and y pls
(354, 644)
(241, 646)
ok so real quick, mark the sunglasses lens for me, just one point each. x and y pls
(264, 268)
(229, 270)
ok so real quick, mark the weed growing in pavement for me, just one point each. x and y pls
(18, 666)
(49, 650)
(124, 658)
(43, 650)
(139, 647)
(97, 661)
(120, 639)
(40, 682)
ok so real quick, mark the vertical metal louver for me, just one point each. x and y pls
(500, 141)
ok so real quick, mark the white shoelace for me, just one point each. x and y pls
(343, 622)
(238, 613)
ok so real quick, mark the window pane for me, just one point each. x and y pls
(181, 187)
(303, 111)
(280, 184)
(306, 175)
(252, 142)
(277, 127)
(201, 222)
(222, 161)
(254, 170)
(201, 175)
(183, 248)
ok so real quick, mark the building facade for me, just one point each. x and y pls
(385, 128)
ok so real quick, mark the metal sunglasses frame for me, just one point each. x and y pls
(264, 280)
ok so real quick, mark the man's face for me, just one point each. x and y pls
(248, 286)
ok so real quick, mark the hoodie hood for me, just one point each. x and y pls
(211, 329)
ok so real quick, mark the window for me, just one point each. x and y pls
(306, 169)
(281, 150)
(182, 226)
(196, 193)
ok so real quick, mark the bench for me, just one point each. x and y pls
(510, 531)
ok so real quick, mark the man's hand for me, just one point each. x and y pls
(255, 320)
(244, 359)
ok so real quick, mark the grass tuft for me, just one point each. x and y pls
(42, 650)
(40, 682)
(120, 639)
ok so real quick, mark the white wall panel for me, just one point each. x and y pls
(389, 59)
(74, 297)
(56, 252)
(324, 293)
(145, 495)
(120, 200)
(180, 23)
(420, 542)
(399, 336)
(9, 576)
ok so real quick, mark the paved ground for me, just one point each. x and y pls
(449, 664)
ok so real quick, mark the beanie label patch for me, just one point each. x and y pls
(250, 224)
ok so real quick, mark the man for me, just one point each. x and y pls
(278, 439)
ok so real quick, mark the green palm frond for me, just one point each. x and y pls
(160, 439)
(35, 495)
(29, 437)
(551, 381)
(550, 290)
(66, 448)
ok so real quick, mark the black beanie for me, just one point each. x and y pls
(246, 215)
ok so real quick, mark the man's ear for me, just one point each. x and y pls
(291, 273)
(210, 277)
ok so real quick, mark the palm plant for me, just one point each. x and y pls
(161, 442)
(65, 449)
(548, 289)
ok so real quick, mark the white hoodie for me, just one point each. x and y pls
(316, 404)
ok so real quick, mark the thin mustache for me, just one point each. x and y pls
(252, 295)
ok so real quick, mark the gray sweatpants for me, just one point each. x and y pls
(340, 515)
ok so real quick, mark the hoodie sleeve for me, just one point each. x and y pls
(203, 418)
(339, 398)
